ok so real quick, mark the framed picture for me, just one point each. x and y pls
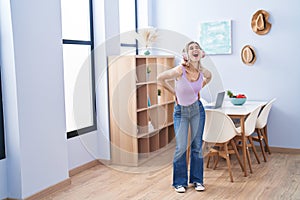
(215, 37)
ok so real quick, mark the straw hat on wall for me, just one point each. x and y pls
(259, 22)
(248, 55)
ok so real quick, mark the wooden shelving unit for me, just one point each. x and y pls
(140, 123)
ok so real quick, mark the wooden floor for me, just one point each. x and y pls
(279, 178)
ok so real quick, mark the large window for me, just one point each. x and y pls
(128, 26)
(78, 45)
(133, 15)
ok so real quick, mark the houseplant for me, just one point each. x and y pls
(148, 71)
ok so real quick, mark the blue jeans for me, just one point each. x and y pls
(193, 115)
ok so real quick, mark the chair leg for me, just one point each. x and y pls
(253, 149)
(237, 154)
(249, 159)
(260, 137)
(205, 147)
(208, 159)
(216, 162)
(228, 161)
(265, 134)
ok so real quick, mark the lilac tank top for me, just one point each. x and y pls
(187, 91)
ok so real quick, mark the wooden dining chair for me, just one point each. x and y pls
(249, 130)
(261, 129)
(219, 131)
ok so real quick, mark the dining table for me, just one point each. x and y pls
(240, 112)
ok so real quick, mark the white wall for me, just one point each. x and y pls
(276, 71)
(36, 33)
(33, 97)
(82, 149)
(38, 67)
(9, 101)
(3, 180)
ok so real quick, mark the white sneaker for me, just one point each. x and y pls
(179, 189)
(199, 187)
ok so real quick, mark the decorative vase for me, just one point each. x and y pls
(148, 102)
(158, 96)
(147, 52)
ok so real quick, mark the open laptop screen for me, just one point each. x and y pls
(219, 101)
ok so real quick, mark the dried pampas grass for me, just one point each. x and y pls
(148, 36)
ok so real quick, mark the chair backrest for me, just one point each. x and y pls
(218, 128)
(204, 102)
(251, 121)
(264, 114)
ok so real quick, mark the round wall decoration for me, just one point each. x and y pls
(259, 22)
(248, 55)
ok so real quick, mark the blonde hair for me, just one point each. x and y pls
(191, 42)
(186, 63)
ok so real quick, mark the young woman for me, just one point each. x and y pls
(190, 78)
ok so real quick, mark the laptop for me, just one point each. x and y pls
(219, 101)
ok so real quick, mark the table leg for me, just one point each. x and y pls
(244, 145)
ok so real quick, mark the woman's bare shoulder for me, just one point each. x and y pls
(171, 73)
(204, 70)
(178, 69)
(206, 73)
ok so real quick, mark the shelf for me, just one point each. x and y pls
(171, 134)
(147, 134)
(170, 108)
(156, 105)
(163, 137)
(148, 120)
(143, 145)
(146, 82)
(154, 142)
(141, 96)
(162, 156)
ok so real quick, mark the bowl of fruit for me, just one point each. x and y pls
(238, 99)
